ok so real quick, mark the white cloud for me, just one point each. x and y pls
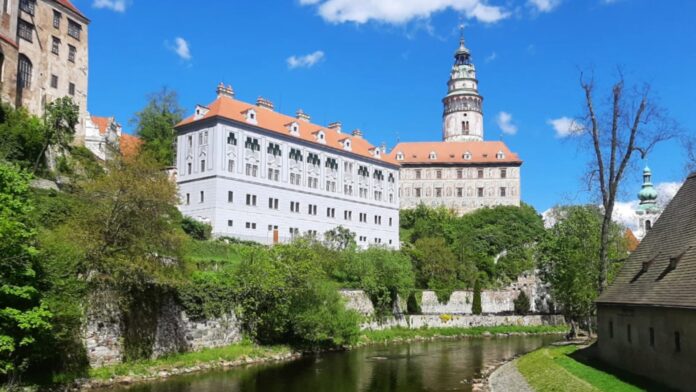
(181, 48)
(402, 11)
(625, 211)
(504, 121)
(491, 57)
(544, 5)
(565, 126)
(306, 61)
(114, 5)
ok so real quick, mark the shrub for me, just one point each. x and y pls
(413, 303)
(195, 229)
(476, 303)
(522, 305)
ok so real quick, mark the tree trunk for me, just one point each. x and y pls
(603, 251)
(38, 159)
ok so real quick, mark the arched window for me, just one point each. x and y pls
(24, 72)
(465, 127)
(648, 225)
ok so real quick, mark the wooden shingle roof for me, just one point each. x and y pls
(662, 270)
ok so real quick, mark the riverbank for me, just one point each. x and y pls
(247, 353)
(572, 368)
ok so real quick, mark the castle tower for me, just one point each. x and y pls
(648, 211)
(463, 117)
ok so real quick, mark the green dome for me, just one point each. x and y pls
(648, 193)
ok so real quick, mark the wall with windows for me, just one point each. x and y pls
(463, 188)
(655, 342)
(261, 186)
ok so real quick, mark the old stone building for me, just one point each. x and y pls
(647, 317)
(44, 55)
(463, 172)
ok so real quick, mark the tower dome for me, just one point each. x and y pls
(648, 193)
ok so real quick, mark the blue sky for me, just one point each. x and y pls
(382, 66)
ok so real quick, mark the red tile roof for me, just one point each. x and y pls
(69, 5)
(130, 145)
(454, 152)
(102, 123)
(232, 109)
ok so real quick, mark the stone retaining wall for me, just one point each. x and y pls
(462, 321)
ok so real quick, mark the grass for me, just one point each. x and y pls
(228, 353)
(211, 251)
(405, 334)
(551, 369)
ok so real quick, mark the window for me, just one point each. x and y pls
(74, 29)
(378, 195)
(231, 139)
(677, 342)
(25, 30)
(348, 189)
(502, 191)
(479, 173)
(252, 170)
(273, 174)
(54, 81)
(294, 231)
(438, 192)
(460, 174)
(56, 19)
(611, 329)
(378, 220)
(71, 88)
(71, 53)
(202, 165)
(503, 173)
(230, 165)
(230, 196)
(438, 174)
(330, 186)
(251, 225)
(190, 141)
(272, 203)
(460, 192)
(229, 223)
(190, 166)
(295, 179)
(652, 337)
(418, 192)
(628, 333)
(330, 212)
(25, 72)
(272, 227)
(465, 127)
(55, 45)
(390, 221)
(27, 6)
(432, 156)
(188, 198)
(313, 182)
(362, 217)
(648, 225)
(251, 200)
(312, 209)
(348, 215)
(274, 150)
(202, 198)
(252, 144)
(479, 191)
(418, 174)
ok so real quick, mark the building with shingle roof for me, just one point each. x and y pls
(647, 317)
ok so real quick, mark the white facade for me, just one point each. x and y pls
(260, 185)
(463, 115)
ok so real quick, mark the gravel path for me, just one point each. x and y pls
(508, 379)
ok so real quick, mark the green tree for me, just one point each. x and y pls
(339, 238)
(23, 314)
(570, 263)
(195, 229)
(59, 127)
(435, 266)
(476, 307)
(21, 136)
(522, 304)
(155, 125)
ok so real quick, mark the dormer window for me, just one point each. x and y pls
(500, 155)
(346, 144)
(293, 128)
(321, 137)
(200, 111)
(432, 155)
(251, 116)
(467, 156)
(399, 156)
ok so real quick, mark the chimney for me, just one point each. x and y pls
(225, 91)
(301, 115)
(336, 126)
(383, 147)
(357, 133)
(264, 103)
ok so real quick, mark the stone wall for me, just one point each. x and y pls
(173, 333)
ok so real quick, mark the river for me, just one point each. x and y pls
(445, 365)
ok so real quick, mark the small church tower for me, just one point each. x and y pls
(463, 115)
(648, 211)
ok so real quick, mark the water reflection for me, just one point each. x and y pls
(424, 366)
